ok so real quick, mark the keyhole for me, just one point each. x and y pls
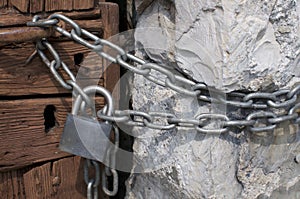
(78, 58)
(49, 117)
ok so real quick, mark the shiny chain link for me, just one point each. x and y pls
(262, 104)
(262, 107)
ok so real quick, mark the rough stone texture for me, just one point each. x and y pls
(232, 45)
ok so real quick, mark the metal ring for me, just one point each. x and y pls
(133, 113)
(181, 90)
(184, 122)
(102, 116)
(250, 96)
(240, 123)
(286, 103)
(53, 52)
(97, 89)
(121, 52)
(294, 91)
(160, 69)
(87, 165)
(281, 119)
(262, 114)
(212, 116)
(85, 97)
(200, 86)
(132, 68)
(89, 194)
(43, 23)
(159, 126)
(239, 104)
(67, 20)
(115, 183)
(58, 77)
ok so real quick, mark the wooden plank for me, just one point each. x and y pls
(14, 19)
(36, 6)
(35, 78)
(21, 5)
(12, 184)
(110, 19)
(3, 3)
(25, 34)
(82, 5)
(60, 179)
(51, 5)
(23, 138)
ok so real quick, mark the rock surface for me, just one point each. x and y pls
(231, 45)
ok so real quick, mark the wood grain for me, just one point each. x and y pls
(3, 3)
(21, 5)
(24, 34)
(51, 5)
(82, 5)
(53, 180)
(12, 184)
(22, 131)
(36, 6)
(110, 20)
(35, 78)
(14, 19)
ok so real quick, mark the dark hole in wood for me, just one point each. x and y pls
(49, 117)
(78, 58)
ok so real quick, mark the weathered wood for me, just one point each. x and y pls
(60, 179)
(51, 5)
(24, 140)
(12, 184)
(21, 5)
(14, 19)
(110, 19)
(36, 6)
(92, 25)
(3, 3)
(23, 34)
(35, 78)
(81, 5)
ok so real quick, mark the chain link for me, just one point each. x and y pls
(261, 106)
(259, 102)
(92, 183)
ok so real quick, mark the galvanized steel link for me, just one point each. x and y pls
(284, 98)
(261, 106)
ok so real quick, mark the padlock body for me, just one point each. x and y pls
(86, 137)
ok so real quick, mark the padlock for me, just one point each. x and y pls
(87, 137)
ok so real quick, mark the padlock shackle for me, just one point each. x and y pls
(97, 89)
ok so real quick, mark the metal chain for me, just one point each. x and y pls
(92, 183)
(263, 107)
(260, 103)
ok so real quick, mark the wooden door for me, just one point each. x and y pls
(31, 165)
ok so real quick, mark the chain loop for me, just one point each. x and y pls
(92, 183)
(286, 100)
(262, 114)
(57, 16)
(153, 125)
(206, 116)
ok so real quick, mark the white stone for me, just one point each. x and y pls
(232, 45)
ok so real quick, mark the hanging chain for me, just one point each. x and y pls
(265, 110)
(92, 183)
